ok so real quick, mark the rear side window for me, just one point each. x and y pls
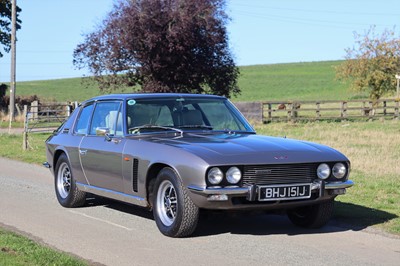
(83, 120)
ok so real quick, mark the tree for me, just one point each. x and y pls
(162, 45)
(5, 24)
(372, 65)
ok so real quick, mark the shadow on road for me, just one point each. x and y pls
(93, 201)
(359, 217)
(347, 216)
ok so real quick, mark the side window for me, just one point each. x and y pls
(219, 117)
(106, 115)
(83, 120)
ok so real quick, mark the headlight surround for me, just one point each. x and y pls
(323, 171)
(233, 175)
(215, 176)
(339, 170)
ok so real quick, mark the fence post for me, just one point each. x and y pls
(269, 112)
(290, 111)
(35, 109)
(384, 108)
(295, 107)
(25, 133)
(371, 110)
(68, 111)
(396, 109)
(343, 110)
(317, 111)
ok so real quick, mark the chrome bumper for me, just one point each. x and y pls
(250, 191)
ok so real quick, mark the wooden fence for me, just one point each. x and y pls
(320, 110)
(44, 117)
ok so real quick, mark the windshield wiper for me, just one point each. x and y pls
(136, 130)
(197, 126)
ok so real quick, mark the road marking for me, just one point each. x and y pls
(101, 220)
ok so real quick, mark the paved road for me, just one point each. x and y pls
(111, 233)
(13, 130)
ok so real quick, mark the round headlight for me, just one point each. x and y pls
(339, 170)
(323, 171)
(215, 176)
(233, 175)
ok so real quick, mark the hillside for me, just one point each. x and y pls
(299, 81)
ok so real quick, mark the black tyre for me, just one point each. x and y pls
(174, 212)
(68, 195)
(314, 216)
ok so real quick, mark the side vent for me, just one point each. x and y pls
(135, 175)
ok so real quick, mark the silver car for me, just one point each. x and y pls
(178, 154)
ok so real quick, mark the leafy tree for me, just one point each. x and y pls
(162, 45)
(5, 24)
(373, 63)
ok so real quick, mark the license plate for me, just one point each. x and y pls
(284, 192)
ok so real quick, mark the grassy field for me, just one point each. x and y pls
(294, 81)
(60, 90)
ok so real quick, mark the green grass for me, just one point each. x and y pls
(18, 250)
(11, 147)
(294, 81)
(60, 90)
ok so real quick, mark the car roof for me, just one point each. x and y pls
(124, 96)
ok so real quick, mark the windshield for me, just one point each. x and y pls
(187, 113)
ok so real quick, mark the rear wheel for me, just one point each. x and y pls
(68, 195)
(174, 212)
(314, 216)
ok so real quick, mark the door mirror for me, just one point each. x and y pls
(102, 131)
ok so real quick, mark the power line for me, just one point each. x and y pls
(315, 10)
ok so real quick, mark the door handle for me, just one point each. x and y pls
(116, 141)
(82, 152)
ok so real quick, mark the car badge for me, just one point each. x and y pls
(281, 157)
(263, 172)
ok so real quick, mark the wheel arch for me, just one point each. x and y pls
(151, 177)
(57, 155)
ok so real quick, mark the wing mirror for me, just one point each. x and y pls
(104, 131)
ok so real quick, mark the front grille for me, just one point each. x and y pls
(279, 174)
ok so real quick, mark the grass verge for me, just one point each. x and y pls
(19, 250)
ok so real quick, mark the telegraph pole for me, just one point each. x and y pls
(13, 59)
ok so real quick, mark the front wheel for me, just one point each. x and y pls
(174, 212)
(68, 195)
(314, 216)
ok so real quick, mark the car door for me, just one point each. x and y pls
(101, 149)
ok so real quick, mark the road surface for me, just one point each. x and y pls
(110, 233)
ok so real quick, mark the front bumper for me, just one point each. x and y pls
(222, 198)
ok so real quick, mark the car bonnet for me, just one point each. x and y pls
(249, 148)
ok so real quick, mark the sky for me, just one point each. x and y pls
(260, 31)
